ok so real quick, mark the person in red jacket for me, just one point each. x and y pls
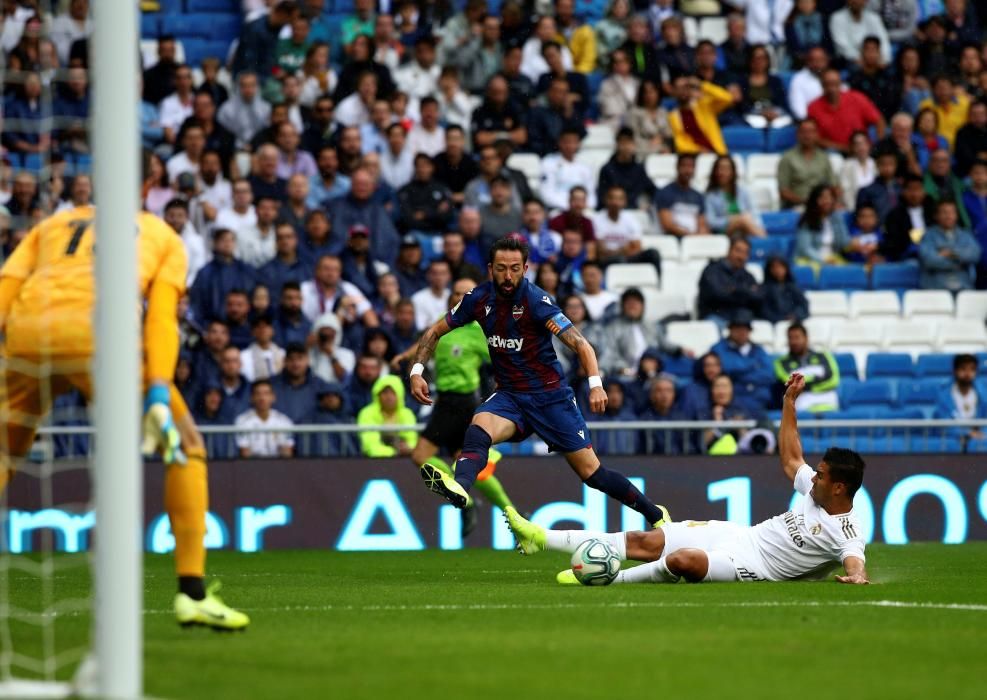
(839, 113)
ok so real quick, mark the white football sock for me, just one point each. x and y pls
(652, 572)
(569, 540)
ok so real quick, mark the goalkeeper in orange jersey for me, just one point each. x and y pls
(47, 297)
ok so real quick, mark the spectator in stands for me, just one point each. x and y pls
(947, 253)
(291, 159)
(694, 400)
(694, 123)
(219, 276)
(641, 49)
(291, 49)
(548, 279)
(477, 55)
(296, 387)
(209, 353)
(277, 443)
(662, 407)
(707, 67)
(577, 85)
(618, 410)
(912, 83)
(975, 195)
(806, 84)
(963, 399)
(578, 37)
(499, 217)
(329, 360)
(839, 113)
(176, 216)
(728, 206)
(746, 363)
(971, 139)
(618, 234)
(950, 105)
(255, 245)
(177, 106)
(735, 49)
(618, 91)
(677, 58)
(907, 222)
(598, 301)
(257, 48)
(883, 193)
(373, 134)
(246, 112)
(803, 167)
(725, 406)
(726, 287)
(764, 102)
(237, 314)
(216, 191)
(319, 128)
(680, 207)
(624, 170)
(454, 168)
(427, 136)
(361, 60)
(419, 77)
(853, 24)
(386, 298)
(235, 387)
(328, 182)
(408, 266)
(574, 217)
(403, 332)
(290, 325)
(927, 138)
(611, 31)
(424, 204)
(865, 237)
(561, 172)
(941, 183)
(822, 375)
(628, 335)
(649, 121)
(533, 63)
(260, 301)
(765, 23)
(71, 113)
(873, 77)
(159, 79)
(387, 408)
(359, 268)
(356, 107)
(543, 243)
(241, 214)
(822, 236)
(263, 358)
(208, 410)
(904, 143)
(521, 89)
(782, 300)
(330, 410)
(859, 169)
(432, 301)
(217, 137)
(576, 311)
(328, 289)
(186, 160)
(454, 253)
(549, 121)
(397, 160)
(264, 179)
(899, 17)
(294, 210)
(805, 28)
(358, 207)
(361, 381)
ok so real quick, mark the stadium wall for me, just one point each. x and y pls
(364, 505)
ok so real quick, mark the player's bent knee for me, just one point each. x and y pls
(691, 564)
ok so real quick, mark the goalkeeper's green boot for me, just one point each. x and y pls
(445, 485)
(211, 611)
(665, 517)
(530, 537)
(567, 578)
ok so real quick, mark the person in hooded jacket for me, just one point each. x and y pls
(331, 409)
(694, 399)
(387, 408)
(782, 300)
(329, 360)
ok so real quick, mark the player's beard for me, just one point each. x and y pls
(506, 288)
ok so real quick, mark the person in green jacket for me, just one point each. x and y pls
(458, 358)
(387, 408)
(822, 375)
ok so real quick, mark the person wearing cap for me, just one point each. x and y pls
(263, 358)
(746, 363)
(359, 268)
(629, 335)
(408, 268)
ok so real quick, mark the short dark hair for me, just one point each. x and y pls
(177, 203)
(218, 233)
(258, 383)
(846, 467)
(237, 292)
(631, 293)
(910, 178)
(963, 359)
(870, 39)
(291, 284)
(625, 132)
(736, 238)
(454, 127)
(510, 242)
(683, 157)
(797, 326)
(295, 349)
(426, 101)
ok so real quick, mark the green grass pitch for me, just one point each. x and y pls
(484, 624)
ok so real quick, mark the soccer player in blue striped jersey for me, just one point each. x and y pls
(532, 397)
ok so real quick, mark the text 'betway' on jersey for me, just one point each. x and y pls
(512, 344)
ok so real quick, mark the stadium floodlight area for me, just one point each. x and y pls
(32, 662)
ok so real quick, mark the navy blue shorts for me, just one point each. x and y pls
(551, 415)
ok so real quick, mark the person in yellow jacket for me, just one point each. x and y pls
(387, 408)
(694, 122)
(579, 37)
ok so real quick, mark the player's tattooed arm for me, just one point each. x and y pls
(429, 340)
(575, 341)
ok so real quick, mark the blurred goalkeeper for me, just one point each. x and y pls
(819, 533)
(47, 297)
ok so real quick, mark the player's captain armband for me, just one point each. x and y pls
(558, 323)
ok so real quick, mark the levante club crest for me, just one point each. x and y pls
(517, 312)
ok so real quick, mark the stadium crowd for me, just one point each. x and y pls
(331, 176)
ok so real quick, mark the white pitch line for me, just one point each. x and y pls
(480, 607)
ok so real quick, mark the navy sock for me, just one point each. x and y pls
(192, 586)
(617, 486)
(473, 458)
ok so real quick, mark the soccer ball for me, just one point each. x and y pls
(595, 563)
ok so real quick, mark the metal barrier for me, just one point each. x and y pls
(610, 438)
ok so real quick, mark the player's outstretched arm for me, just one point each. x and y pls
(855, 571)
(789, 444)
(575, 341)
(423, 353)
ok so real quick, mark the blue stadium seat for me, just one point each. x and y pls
(780, 222)
(934, 366)
(920, 394)
(198, 49)
(150, 26)
(171, 7)
(847, 364)
(343, 6)
(743, 139)
(894, 365)
(225, 6)
(764, 248)
(805, 276)
(203, 26)
(874, 393)
(588, 10)
(779, 140)
(895, 276)
(843, 277)
(31, 162)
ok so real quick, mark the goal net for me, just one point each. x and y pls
(70, 590)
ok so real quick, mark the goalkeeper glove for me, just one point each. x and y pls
(160, 433)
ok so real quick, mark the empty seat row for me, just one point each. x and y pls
(915, 304)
